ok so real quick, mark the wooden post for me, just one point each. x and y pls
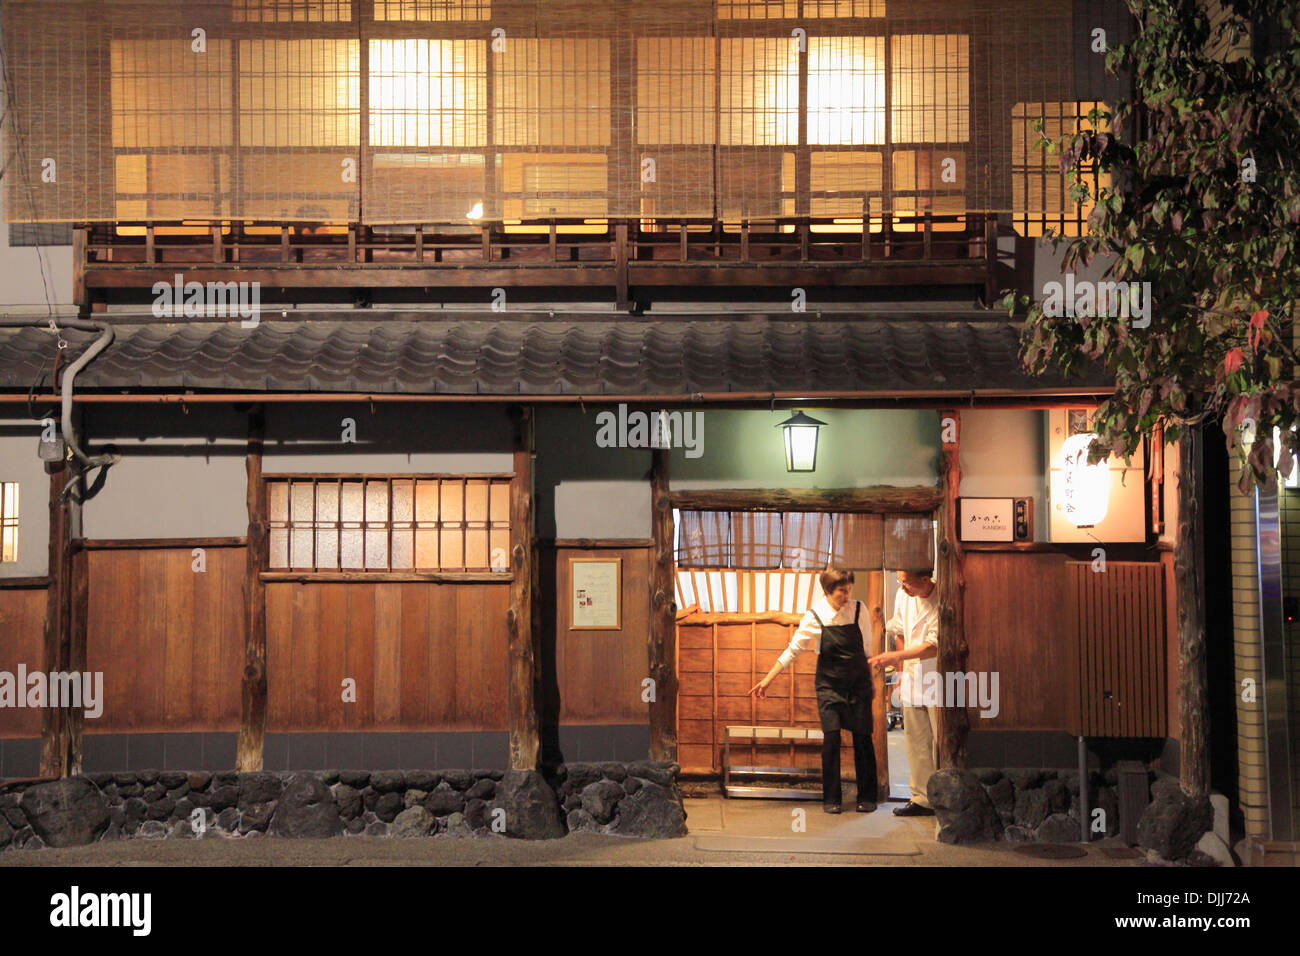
(1189, 583)
(952, 584)
(522, 681)
(663, 615)
(252, 725)
(58, 624)
(79, 621)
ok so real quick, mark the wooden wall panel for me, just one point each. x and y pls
(22, 628)
(168, 639)
(600, 672)
(1015, 620)
(425, 657)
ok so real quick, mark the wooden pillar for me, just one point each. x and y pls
(57, 644)
(522, 680)
(1189, 582)
(952, 584)
(663, 615)
(252, 725)
(80, 616)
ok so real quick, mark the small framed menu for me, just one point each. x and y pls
(596, 586)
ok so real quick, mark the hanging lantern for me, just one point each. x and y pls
(801, 442)
(1087, 487)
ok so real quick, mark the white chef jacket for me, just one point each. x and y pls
(917, 619)
(809, 633)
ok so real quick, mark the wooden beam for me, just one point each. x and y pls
(377, 577)
(522, 679)
(596, 544)
(252, 724)
(57, 643)
(952, 585)
(137, 544)
(919, 499)
(1189, 583)
(663, 615)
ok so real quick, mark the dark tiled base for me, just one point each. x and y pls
(20, 758)
(1023, 748)
(625, 742)
(329, 751)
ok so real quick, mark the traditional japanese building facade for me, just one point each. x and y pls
(341, 520)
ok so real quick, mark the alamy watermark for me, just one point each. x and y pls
(199, 300)
(55, 689)
(662, 429)
(1123, 299)
(975, 689)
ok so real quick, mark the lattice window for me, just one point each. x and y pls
(428, 93)
(401, 523)
(930, 88)
(8, 521)
(433, 10)
(291, 11)
(846, 91)
(789, 9)
(1040, 192)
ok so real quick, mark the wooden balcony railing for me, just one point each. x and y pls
(631, 261)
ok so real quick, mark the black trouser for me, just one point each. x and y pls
(834, 717)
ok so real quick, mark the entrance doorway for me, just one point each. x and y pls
(744, 579)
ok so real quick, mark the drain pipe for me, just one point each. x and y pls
(69, 379)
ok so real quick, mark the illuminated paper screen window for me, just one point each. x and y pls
(296, 93)
(789, 9)
(759, 91)
(389, 524)
(553, 92)
(674, 90)
(428, 93)
(1040, 192)
(165, 96)
(543, 185)
(291, 11)
(846, 91)
(930, 88)
(433, 10)
(8, 521)
(844, 185)
(919, 187)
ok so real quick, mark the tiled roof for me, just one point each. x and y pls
(556, 356)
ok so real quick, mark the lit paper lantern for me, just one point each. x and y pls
(1086, 491)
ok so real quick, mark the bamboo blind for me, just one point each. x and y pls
(398, 111)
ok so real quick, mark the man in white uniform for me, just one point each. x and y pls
(916, 619)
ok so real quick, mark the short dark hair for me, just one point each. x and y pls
(832, 578)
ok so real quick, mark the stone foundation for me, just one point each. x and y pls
(630, 799)
(1022, 805)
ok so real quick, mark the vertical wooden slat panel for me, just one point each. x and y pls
(279, 655)
(415, 638)
(385, 662)
(330, 646)
(178, 595)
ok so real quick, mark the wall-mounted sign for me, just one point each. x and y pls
(987, 519)
(595, 586)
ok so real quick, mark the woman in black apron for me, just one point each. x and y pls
(843, 685)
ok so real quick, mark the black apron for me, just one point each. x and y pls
(843, 680)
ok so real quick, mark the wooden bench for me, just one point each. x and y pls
(768, 735)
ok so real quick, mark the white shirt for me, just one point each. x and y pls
(917, 619)
(809, 633)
